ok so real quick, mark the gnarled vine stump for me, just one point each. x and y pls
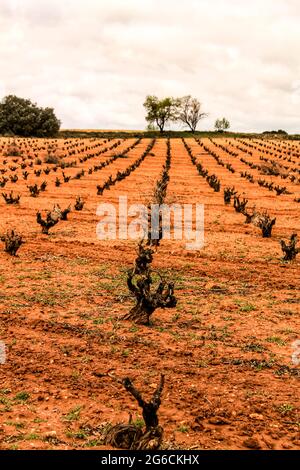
(130, 436)
(149, 294)
(289, 249)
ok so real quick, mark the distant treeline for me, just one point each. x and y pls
(166, 134)
(21, 117)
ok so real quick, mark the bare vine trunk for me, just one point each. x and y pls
(140, 313)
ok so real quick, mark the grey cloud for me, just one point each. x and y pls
(95, 61)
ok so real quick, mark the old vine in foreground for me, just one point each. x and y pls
(130, 436)
(149, 294)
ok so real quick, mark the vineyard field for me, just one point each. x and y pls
(226, 349)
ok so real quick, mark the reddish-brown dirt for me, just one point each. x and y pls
(225, 350)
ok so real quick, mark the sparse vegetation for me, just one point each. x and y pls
(52, 218)
(132, 436)
(11, 198)
(290, 249)
(34, 190)
(13, 241)
(228, 194)
(266, 223)
(141, 284)
(62, 213)
(69, 299)
(79, 204)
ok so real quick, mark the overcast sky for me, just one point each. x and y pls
(94, 61)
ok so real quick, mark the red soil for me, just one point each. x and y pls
(225, 350)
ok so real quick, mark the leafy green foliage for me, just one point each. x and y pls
(160, 112)
(222, 124)
(21, 117)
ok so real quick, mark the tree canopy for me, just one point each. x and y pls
(185, 110)
(222, 124)
(189, 112)
(19, 116)
(160, 112)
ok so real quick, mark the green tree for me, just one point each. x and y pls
(48, 123)
(20, 116)
(222, 125)
(151, 127)
(160, 112)
(190, 112)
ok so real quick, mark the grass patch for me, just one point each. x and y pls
(22, 397)
(74, 414)
(276, 340)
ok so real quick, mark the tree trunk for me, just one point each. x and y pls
(151, 440)
(266, 232)
(140, 313)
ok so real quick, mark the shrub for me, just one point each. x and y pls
(289, 249)
(62, 213)
(280, 190)
(51, 220)
(149, 296)
(66, 178)
(214, 182)
(3, 182)
(79, 175)
(13, 150)
(250, 216)
(228, 194)
(52, 159)
(34, 190)
(240, 205)
(132, 436)
(265, 223)
(13, 242)
(10, 198)
(43, 186)
(79, 204)
(20, 116)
